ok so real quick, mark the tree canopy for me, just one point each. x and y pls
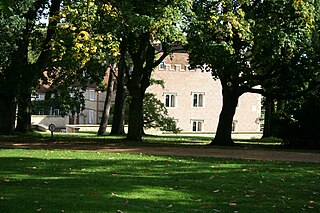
(246, 44)
(140, 28)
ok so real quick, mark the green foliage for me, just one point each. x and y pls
(42, 107)
(298, 123)
(12, 24)
(163, 20)
(250, 43)
(155, 115)
(219, 37)
(81, 53)
(140, 28)
(59, 181)
(286, 44)
(245, 44)
(63, 102)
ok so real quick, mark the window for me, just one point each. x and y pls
(198, 99)
(91, 116)
(56, 112)
(197, 125)
(37, 96)
(170, 100)
(91, 95)
(42, 96)
(162, 66)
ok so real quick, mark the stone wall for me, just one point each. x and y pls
(184, 82)
(46, 120)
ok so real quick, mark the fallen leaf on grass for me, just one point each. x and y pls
(169, 206)
(126, 202)
(232, 203)
(206, 207)
(114, 194)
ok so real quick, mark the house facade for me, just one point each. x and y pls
(91, 115)
(194, 99)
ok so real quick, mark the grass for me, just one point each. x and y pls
(159, 140)
(78, 181)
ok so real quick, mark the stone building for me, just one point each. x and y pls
(194, 99)
(91, 115)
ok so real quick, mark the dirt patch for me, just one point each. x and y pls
(238, 153)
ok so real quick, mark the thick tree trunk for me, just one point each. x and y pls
(119, 112)
(119, 105)
(137, 85)
(24, 112)
(135, 115)
(267, 117)
(229, 105)
(7, 114)
(107, 105)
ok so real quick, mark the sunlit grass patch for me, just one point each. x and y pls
(63, 181)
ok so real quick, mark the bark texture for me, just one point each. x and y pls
(120, 100)
(107, 105)
(229, 105)
(7, 113)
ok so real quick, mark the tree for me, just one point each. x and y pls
(81, 54)
(24, 60)
(297, 123)
(250, 43)
(140, 26)
(31, 68)
(297, 63)
(107, 103)
(121, 95)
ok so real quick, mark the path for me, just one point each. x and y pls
(238, 153)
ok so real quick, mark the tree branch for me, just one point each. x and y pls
(44, 55)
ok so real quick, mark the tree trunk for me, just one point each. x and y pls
(7, 114)
(119, 105)
(30, 73)
(267, 117)
(137, 85)
(135, 115)
(229, 105)
(119, 112)
(107, 105)
(24, 112)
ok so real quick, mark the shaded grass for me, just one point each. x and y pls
(91, 136)
(76, 181)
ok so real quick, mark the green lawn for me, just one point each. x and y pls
(77, 181)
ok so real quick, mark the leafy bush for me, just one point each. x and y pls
(155, 115)
(298, 124)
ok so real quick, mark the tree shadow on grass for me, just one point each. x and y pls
(68, 181)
